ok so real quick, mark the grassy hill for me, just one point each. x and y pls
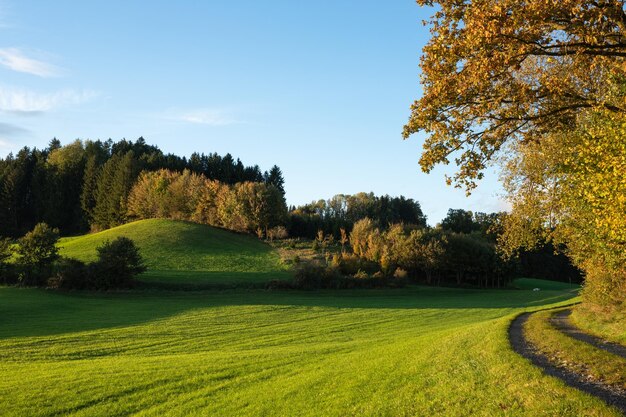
(188, 254)
(411, 352)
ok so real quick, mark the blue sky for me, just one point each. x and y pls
(321, 89)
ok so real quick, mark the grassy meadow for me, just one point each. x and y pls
(188, 255)
(417, 351)
(242, 351)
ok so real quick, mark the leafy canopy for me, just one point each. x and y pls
(504, 70)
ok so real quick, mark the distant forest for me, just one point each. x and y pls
(95, 185)
(85, 185)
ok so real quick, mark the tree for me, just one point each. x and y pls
(90, 184)
(275, 178)
(114, 184)
(507, 71)
(569, 189)
(343, 239)
(36, 252)
(118, 262)
(459, 221)
(543, 85)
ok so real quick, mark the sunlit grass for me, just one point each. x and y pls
(608, 325)
(188, 254)
(575, 355)
(420, 351)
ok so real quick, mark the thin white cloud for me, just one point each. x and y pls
(4, 144)
(211, 117)
(7, 129)
(30, 102)
(16, 60)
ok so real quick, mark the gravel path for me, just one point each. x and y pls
(562, 322)
(521, 346)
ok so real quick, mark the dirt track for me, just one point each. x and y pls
(521, 346)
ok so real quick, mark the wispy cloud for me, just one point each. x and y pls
(211, 117)
(27, 102)
(7, 129)
(4, 144)
(16, 60)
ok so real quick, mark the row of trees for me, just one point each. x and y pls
(85, 184)
(464, 249)
(254, 207)
(342, 211)
(435, 254)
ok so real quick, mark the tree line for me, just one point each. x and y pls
(85, 185)
(343, 210)
(463, 250)
(251, 207)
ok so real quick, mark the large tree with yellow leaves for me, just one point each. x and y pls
(541, 83)
(501, 70)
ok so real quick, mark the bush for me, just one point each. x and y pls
(400, 273)
(118, 263)
(278, 232)
(36, 252)
(5, 250)
(311, 276)
(8, 274)
(350, 264)
(70, 274)
(361, 275)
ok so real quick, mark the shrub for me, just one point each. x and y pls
(8, 274)
(118, 262)
(5, 250)
(361, 275)
(70, 274)
(278, 232)
(314, 275)
(350, 264)
(400, 273)
(36, 252)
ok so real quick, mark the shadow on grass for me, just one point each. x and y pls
(36, 312)
(207, 280)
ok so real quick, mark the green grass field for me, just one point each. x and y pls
(608, 325)
(417, 351)
(182, 254)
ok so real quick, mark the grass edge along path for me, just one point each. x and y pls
(540, 351)
(561, 321)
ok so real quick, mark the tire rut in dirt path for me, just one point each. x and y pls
(522, 347)
(562, 323)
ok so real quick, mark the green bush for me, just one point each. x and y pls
(8, 274)
(118, 263)
(70, 274)
(37, 252)
(310, 276)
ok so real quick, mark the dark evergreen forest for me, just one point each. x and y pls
(84, 185)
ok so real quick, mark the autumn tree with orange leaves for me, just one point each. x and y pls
(507, 70)
(540, 86)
